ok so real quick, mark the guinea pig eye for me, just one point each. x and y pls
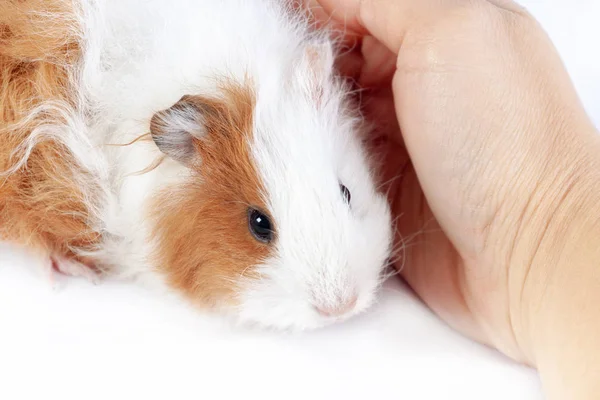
(260, 226)
(345, 193)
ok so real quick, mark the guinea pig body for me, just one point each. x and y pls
(203, 145)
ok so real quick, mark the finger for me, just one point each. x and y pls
(350, 64)
(386, 20)
(314, 10)
(321, 17)
(379, 64)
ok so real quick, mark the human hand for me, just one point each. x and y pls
(492, 159)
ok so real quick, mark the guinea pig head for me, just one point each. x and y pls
(280, 222)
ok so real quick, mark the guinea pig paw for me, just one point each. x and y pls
(62, 267)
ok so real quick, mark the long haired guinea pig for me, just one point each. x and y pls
(204, 145)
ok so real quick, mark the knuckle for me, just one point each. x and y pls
(479, 18)
(462, 29)
(484, 20)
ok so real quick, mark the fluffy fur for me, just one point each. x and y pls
(85, 117)
(44, 194)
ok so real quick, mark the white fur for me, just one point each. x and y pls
(142, 56)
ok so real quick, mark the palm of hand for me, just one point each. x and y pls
(424, 255)
(455, 289)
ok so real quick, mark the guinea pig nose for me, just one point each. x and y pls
(339, 309)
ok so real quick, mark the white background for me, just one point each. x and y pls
(117, 341)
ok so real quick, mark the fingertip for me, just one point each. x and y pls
(350, 64)
(386, 20)
(344, 12)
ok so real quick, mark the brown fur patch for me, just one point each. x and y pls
(39, 30)
(41, 206)
(202, 227)
(5, 32)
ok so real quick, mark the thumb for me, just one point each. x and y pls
(387, 20)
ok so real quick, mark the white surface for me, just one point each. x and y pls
(116, 341)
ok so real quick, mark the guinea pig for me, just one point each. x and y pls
(206, 146)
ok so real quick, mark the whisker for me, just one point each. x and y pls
(389, 181)
(137, 139)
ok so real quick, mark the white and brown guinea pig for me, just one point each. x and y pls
(203, 145)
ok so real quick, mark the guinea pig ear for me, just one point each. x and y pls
(175, 129)
(320, 58)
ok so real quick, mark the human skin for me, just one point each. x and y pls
(494, 172)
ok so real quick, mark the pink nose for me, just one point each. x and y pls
(338, 309)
